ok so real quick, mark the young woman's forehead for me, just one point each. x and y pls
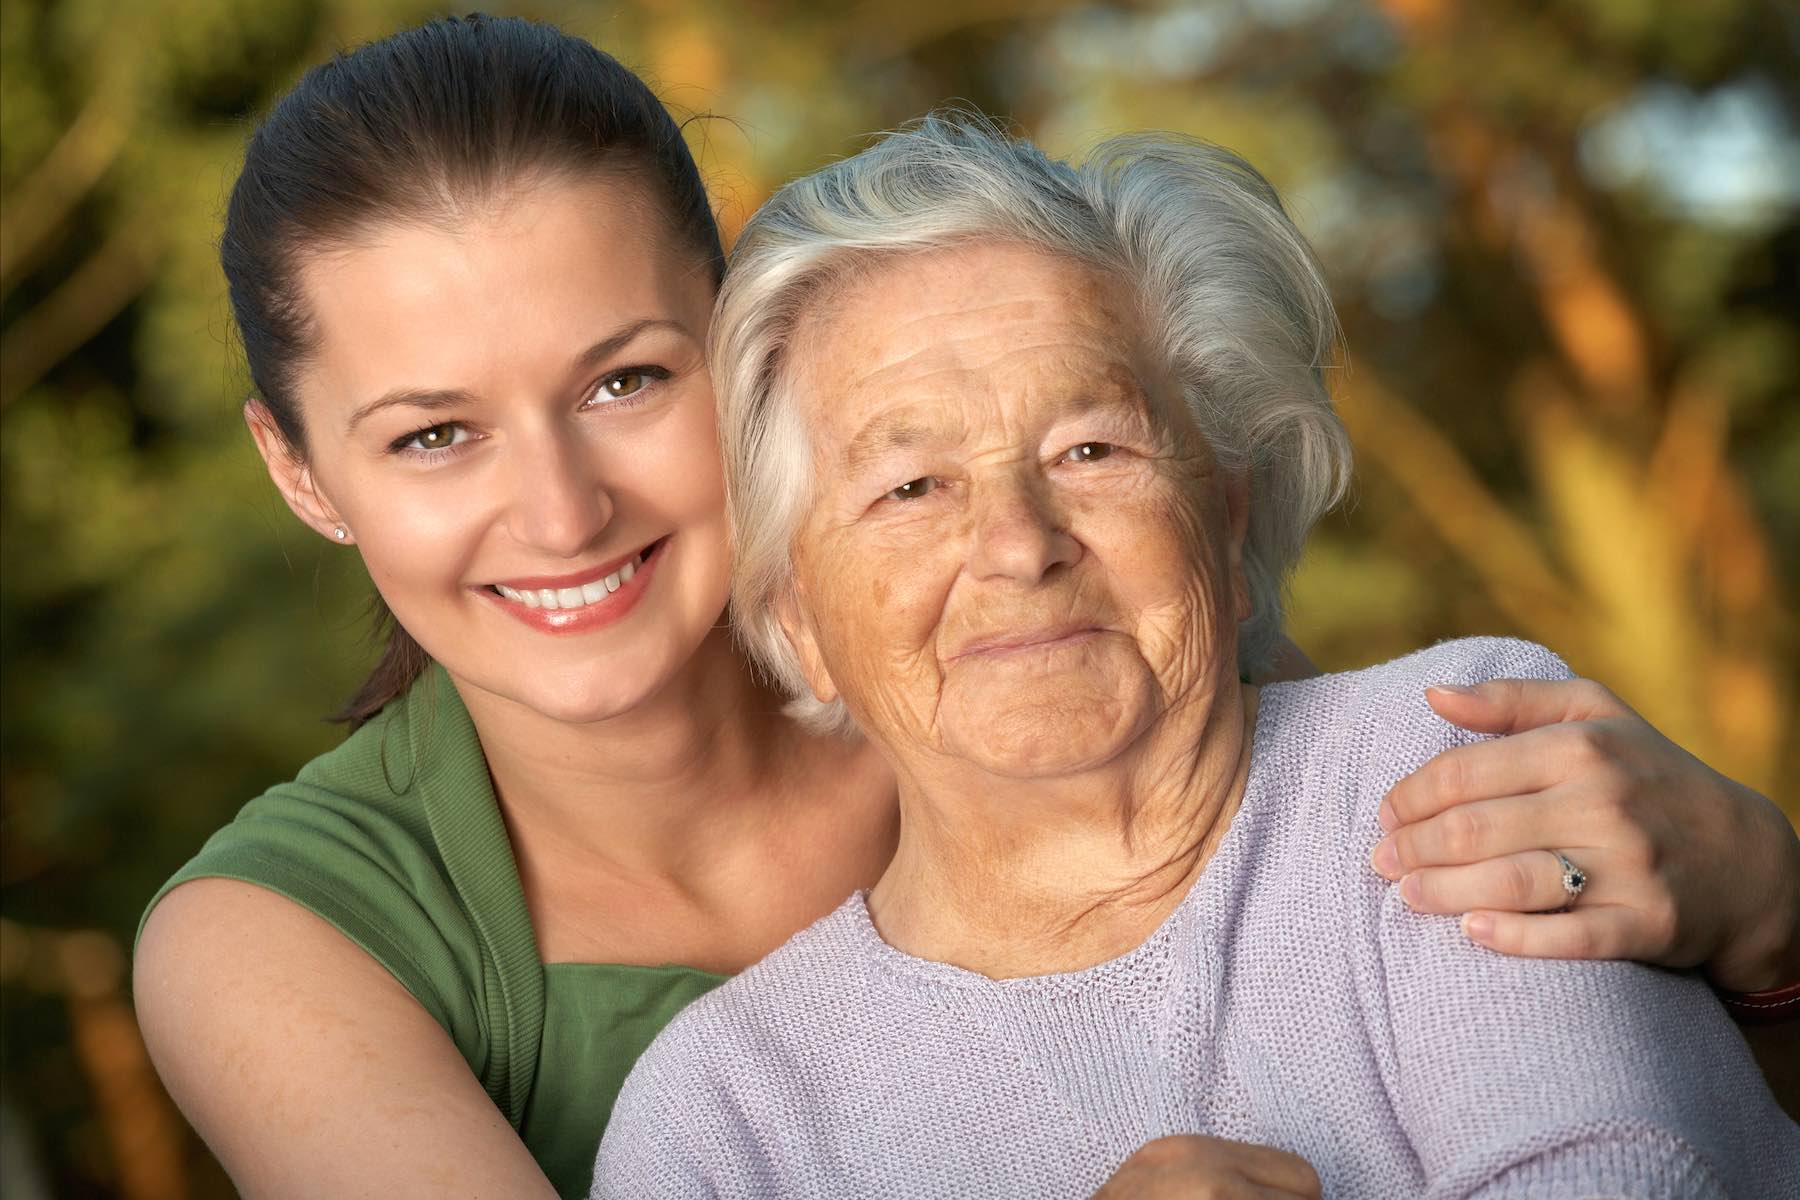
(540, 280)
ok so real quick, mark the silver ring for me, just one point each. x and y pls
(1574, 879)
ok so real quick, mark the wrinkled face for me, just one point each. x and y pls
(1021, 552)
(513, 419)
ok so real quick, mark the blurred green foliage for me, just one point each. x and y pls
(1565, 238)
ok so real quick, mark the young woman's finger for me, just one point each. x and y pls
(1517, 765)
(1522, 883)
(1515, 705)
(1597, 763)
(1467, 833)
(1600, 931)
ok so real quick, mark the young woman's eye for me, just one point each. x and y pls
(914, 489)
(627, 385)
(434, 438)
(1088, 452)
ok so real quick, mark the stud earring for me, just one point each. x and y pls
(340, 533)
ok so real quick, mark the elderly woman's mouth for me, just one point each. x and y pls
(1019, 643)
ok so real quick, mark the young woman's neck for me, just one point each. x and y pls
(647, 790)
(1029, 877)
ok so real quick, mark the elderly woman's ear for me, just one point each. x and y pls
(1237, 510)
(799, 633)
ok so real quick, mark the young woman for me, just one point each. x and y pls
(473, 266)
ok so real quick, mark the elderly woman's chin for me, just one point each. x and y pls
(1047, 709)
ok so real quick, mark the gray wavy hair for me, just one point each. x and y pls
(1233, 298)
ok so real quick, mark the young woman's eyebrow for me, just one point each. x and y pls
(430, 399)
(433, 399)
(610, 345)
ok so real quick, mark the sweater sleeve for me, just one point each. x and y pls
(667, 1137)
(1546, 1078)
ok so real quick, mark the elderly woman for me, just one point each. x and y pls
(1020, 456)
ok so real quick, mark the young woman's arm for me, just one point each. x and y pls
(305, 1065)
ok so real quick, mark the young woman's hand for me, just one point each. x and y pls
(1684, 867)
(1192, 1167)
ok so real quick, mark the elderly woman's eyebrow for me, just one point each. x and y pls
(886, 434)
(1117, 390)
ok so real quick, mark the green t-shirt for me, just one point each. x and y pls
(395, 838)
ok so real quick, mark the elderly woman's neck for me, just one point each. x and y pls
(1012, 877)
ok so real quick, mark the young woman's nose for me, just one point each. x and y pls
(1017, 532)
(561, 505)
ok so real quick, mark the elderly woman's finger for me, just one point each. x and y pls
(1187, 1166)
(1287, 1174)
(1600, 931)
(1530, 882)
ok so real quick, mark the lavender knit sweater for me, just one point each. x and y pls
(1291, 999)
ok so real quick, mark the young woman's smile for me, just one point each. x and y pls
(585, 600)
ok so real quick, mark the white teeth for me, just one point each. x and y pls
(572, 597)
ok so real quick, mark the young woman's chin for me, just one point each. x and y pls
(578, 685)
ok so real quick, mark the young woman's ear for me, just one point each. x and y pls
(292, 477)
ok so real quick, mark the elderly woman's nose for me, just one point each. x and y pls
(560, 502)
(1017, 533)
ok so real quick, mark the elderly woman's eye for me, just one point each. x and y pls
(1088, 452)
(913, 490)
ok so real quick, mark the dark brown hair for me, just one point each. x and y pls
(414, 127)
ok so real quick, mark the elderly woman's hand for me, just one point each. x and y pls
(1685, 866)
(1192, 1167)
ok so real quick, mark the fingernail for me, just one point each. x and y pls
(1384, 816)
(1409, 890)
(1386, 860)
(1478, 926)
(1455, 688)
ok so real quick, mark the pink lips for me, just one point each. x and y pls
(555, 582)
(587, 617)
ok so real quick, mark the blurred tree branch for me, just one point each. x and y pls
(82, 304)
(86, 969)
(43, 200)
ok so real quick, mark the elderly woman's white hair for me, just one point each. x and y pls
(1231, 293)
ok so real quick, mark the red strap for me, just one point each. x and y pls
(1763, 1008)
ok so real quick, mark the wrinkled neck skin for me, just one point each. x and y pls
(1015, 877)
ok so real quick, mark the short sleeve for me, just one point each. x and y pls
(362, 868)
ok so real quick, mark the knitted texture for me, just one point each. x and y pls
(1291, 999)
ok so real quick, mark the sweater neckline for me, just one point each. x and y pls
(1204, 895)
